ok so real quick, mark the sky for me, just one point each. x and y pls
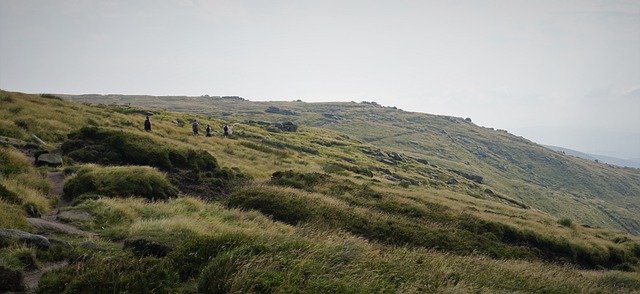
(564, 73)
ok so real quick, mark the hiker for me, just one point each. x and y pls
(208, 130)
(194, 127)
(147, 124)
(225, 131)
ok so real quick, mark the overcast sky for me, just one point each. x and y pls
(564, 73)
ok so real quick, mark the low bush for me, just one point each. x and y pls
(120, 182)
(565, 222)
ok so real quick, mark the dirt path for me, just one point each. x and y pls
(56, 181)
(31, 279)
(49, 223)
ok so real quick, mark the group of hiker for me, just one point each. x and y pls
(195, 127)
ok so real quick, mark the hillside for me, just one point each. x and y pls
(342, 203)
(591, 193)
(606, 159)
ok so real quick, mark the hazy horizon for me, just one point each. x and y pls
(558, 73)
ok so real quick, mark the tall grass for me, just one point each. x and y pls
(120, 181)
(22, 189)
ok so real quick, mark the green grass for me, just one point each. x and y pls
(192, 171)
(323, 212)
(122, 181)
(22, 190)
(513, 167)
(248, 253)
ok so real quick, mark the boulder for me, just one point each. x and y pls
(452, 181)
(73, 215)
(49, 159)
(286, 126)
(8, 235)
(396, 156)
(10, 280)
(387, 161)
(91, 246)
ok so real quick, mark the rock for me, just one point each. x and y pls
(489, 191)
(396, 156)
(273, 109)
(49, 159)
(10, 280)
(452, 181)
(423, 161)
(286, 126)
(91, 246)
(387, 161)
(7, 235)
(74, 215)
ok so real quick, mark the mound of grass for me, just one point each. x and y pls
(11, 130)
(13, 162)
(122, 181)
(13, 217)
(192, 171)
(111, 275)
(22, 189)
(461, 234)
(297, 180)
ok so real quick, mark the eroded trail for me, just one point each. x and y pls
(32, 278)
(48, 224)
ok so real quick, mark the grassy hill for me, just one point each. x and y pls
(590, 193)
(343, 204)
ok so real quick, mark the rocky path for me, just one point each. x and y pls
(49, 222)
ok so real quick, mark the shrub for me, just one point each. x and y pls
(120, 182)
(50, 96)
(565, 222)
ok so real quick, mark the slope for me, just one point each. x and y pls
(307, 211)
(592, 193)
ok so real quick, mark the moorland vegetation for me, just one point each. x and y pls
(311, 210)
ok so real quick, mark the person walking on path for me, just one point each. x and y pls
(208, 130)
(194, 127)
(225, 131)
(147, 124)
